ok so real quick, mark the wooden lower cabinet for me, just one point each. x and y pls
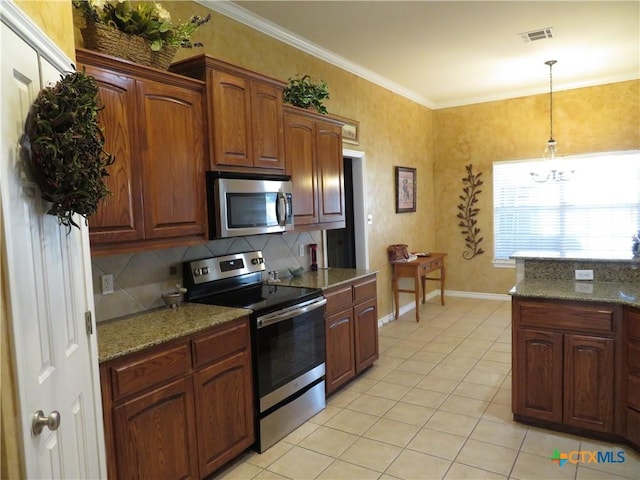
(564, 359)
(179, 410)
(351, 323)
(632, 374)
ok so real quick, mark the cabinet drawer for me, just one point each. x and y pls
(633, 391)
(572, 316)
(338, 299)
(151, 369)
(633, 322)
(364, 291)
(633, 355)
(222, 342)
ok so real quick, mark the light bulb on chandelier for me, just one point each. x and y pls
(551, 150)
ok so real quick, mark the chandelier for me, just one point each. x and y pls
(551, 150)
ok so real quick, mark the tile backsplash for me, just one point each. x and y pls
(140, 278)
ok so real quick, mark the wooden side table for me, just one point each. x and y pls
(418, 270)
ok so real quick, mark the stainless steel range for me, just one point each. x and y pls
(288, 338)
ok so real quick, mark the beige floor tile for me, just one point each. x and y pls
(340, 470)
(485, 378)
(352, 422)
(371, 454)
(327, 413)
(267, 475)
(416, 366)
(585, 473)
(476, 344)
(543, 442)
(498, 413)
(328, 441)
(496, 356)
(428, 357)
(434, 347)
(534, 467)
(425, 398)
(388, 361)
(434, 442)
(239, 471)
(465, 406)
(392, 391)
(465, 472)
(386, 342)
(376, 372)
(361, 384)
(391, 431)
(452, 423)
(493, 367)
(263, 460)
(409, 413)
(503, 434)
(301, 433)
(300, 463)
(469, 352)
(487, 457)
(503, 347)
(410, 379)
(342, 398)
(630, 468)
(417, 465)
(502, 397)
(371, 404)
(453, 373)
(474, 390)
(438, 384)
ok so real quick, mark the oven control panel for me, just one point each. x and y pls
(227, 266)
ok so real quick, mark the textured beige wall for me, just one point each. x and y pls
(55, 18)
(595, 119)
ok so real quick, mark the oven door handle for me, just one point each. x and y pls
(267, 320)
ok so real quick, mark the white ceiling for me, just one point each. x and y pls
(449, 53)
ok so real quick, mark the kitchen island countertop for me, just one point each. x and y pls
(608, 292)
(326, 278)
(124, 335)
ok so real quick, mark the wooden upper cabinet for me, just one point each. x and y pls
(173, 171)
(313, 149)
(154, 124)
(245, 115)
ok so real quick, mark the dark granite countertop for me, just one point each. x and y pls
(608, 292)
(121, 336)
(326, 278)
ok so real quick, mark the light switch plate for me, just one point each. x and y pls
(107, 284)
(301, 250)
(584, 274)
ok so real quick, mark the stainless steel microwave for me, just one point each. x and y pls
(245, 204)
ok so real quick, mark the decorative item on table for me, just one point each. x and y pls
(296, 272)
(305, 92)
(141, 32)
(62, 147)
(174, 299)
(400, 253)
(635, 246)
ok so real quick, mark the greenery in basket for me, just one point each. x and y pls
(148, 20)
(63, 147)
(307, 93)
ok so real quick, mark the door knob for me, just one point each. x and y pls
(39, 421)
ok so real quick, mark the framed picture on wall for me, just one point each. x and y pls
(405, 189)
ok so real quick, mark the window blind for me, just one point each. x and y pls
(594, 214)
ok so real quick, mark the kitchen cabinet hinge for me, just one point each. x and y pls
(88, 322)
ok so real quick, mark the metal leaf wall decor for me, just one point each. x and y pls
(468, 213)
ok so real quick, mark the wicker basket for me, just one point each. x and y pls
(101, 38)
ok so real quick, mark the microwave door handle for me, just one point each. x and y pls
(281, 209)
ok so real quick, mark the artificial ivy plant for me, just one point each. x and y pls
(63, 147)
(305, 92)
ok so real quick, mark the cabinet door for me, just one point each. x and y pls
(119, 215)
(588, 382)
(330, 174)
(155, 434)
(172, 157)
(267, 129)
(224, 410)
(537, 375)
(231, 108)
(366, 334)
(301, 163)
(340, 360)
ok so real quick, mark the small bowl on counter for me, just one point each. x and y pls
(296, 272)
(174, 299)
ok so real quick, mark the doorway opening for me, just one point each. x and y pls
(347, 247)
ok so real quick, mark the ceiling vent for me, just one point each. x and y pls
(539, 34)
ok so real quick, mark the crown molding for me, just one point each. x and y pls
(244, 16)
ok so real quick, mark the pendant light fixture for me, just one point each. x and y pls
(551, 150)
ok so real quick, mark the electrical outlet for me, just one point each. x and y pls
(584, 274)
(107, 284)
(301, 250)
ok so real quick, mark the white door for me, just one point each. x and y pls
(49, 286)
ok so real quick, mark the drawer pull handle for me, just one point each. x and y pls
(344, 320)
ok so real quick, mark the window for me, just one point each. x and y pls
(593, 215)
